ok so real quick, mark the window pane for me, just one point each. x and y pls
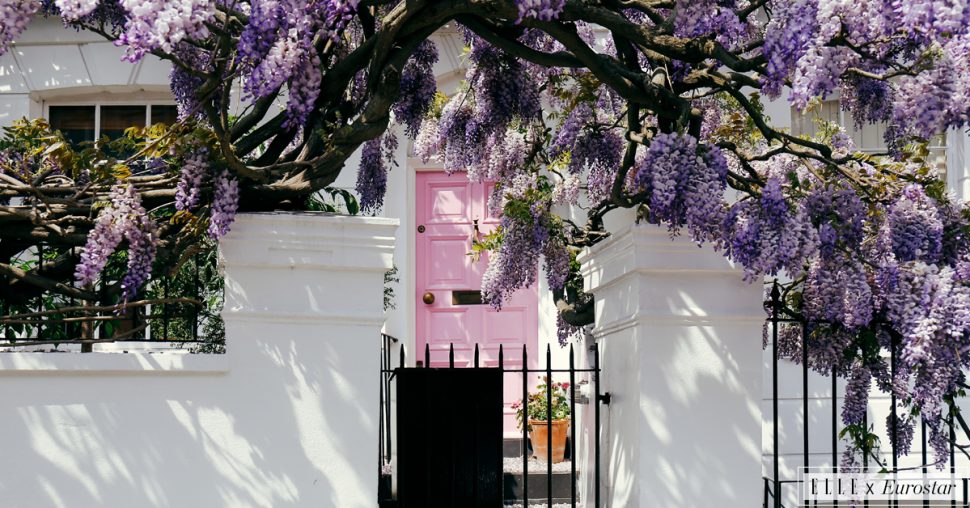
(804, 124)
(115, 119)
(76, 122)
(869, 138)
(167, 115)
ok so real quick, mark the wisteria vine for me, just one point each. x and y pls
(572, 110)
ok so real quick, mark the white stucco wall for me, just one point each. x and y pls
(678, 330)
(287, 418)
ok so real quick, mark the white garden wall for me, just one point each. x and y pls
(681, 357)
(287, 418)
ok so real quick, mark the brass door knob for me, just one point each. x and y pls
(428, 298)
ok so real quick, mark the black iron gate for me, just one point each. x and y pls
(449, 434)
(449, 449)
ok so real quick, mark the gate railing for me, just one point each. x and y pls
(775, 485)
(597, 398)
(384, 432)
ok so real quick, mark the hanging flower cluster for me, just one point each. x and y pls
(186, 83)
(74, 9)
(684, 186)
(224, 205)
(195, 168)
(162, 24)
(123, 218)
(277, 48)
(418, 88)
(375, 160)
(545, 10)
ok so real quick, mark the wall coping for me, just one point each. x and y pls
(304, 216)
(310, 240)
(648, 248)
(166, 362)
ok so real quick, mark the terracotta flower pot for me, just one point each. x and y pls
(539, 436)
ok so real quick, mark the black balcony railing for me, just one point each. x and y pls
(181, 307)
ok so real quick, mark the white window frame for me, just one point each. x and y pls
(98, 103)
(937, 151)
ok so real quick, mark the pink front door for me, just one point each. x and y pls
(447, 210)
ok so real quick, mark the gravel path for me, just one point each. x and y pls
(514, 465)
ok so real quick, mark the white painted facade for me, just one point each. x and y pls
(54, 65)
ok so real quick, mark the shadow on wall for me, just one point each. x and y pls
(256, 436)
(684, 424)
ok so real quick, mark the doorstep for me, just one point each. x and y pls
(539, 478)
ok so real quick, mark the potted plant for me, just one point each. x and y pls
(537, 410)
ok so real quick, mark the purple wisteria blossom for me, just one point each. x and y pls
(195, 167)
(375, 159)
(162, 24)
(914, 226)
(768, 241)
(787, 38)
(124, 218)
(372, 176)
(418, 88)
(15, 15)
(74, 9)
(544, 10)
(682, 188)
(304, 88)
(856, 396)
(224, 205)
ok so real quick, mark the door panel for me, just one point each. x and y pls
(449, 201)
(447, 209)
(446, 266)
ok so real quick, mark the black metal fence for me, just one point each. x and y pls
(571, 370)
(776, 487)
(384, 432)
(180, 307)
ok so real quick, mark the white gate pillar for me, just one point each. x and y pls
(303, 311)
(680, 339)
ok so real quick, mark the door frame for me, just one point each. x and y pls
(414, 166)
